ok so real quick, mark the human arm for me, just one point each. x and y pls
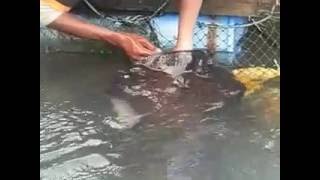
(56, 16)
(188, 13)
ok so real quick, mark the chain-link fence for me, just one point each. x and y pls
(247, 45)
(249, 48)
(254, 56)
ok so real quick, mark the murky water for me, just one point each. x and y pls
(82, 134)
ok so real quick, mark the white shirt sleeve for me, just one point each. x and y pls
(48, 14)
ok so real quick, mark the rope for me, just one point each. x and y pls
(254, 23)
(139, 18)
(132, 20)
(92, 8)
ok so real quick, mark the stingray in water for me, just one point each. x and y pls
(175, 84)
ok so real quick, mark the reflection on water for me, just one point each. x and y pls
(81, 120)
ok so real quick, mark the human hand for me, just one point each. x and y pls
(135, 46)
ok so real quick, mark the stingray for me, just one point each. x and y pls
(177, 84)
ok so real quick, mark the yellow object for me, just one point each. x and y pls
(55, 5)
(51, 10)
(254, 77)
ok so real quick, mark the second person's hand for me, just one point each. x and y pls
(135, 46)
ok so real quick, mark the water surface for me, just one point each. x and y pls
(81, 139)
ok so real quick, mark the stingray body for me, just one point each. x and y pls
(201, 88)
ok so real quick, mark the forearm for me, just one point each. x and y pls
(188, 13)
(68, 23)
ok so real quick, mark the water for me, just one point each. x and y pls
(88, 133)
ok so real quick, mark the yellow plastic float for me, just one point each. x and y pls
(253, 78)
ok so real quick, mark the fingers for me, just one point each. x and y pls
(136, 58)
(140, 49)
(143, 41)
(140, 53)
(147, 44)
(137, 53)
(137, 47)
